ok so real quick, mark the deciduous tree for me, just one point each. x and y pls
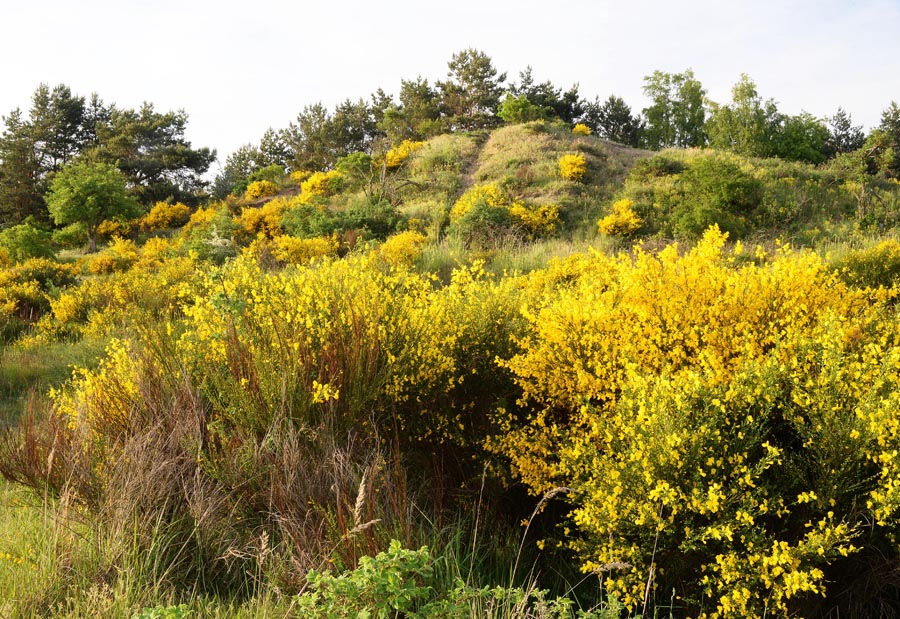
(676, 116)
(748, 125)
(89, 193)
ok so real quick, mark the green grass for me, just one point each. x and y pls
(27, 371)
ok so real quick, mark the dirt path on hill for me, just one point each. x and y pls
(468, 177)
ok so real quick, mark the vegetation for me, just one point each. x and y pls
(471, 353)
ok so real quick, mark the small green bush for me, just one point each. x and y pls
(877, 266)
(26, 241)
(401, 583)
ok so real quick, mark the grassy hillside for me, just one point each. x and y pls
(486, 344)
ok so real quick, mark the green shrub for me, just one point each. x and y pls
(25, 241)
(401, 583)
(877, 266)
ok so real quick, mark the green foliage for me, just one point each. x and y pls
(25, 241)
(482, 224)
(71, 236)
(20, 172)
(553, 103)
(393, 582)
(802, 138)
(150, 149)
(676, 116)
(873, 267)
(88, 193)
(681, 192)
(373, 219)
(400, 582)
(274, 173)
(843, 137)
(745, 126)
(519, 109)
(715, 191)
(613, 120)
(472, 91)
(182, 611)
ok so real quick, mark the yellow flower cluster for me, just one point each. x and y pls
(260, 189)
(581, 129)
(320, 184)
(402, 248)
(535, 219)
(202, 217)
(164, 215)
(573, 167)
(265, 219)
(621, 221)
(538, 220)
(25, 288)
(397, 155)
(108, 229)
(691, 401)
(298, 176)
(119, 256)
(490, 194)
(291, 250)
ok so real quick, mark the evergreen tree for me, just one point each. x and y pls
(151, 151)
(614, 121)
(471, 95)
(843, 137)
(20, 173)
(551, 101)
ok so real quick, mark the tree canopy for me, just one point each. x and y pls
(89, 193)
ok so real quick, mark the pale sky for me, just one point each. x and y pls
(238, 68)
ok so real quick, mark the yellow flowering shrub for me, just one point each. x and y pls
(727, 428)
(537, 220)
(581, 129)
(298, 176)
(27, 290)
(108, 229)
(202, 217)
(260, 189)
(395, 157)
(621, 221)
(164, 215)
(101, 305)
(320, 184)
(871, 267)
(265, 219)
(119, 256)
(402, 248)
(490, 194)
(291, 250)
(573, 167)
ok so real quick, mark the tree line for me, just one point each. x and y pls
(475, 95)
(148, 148)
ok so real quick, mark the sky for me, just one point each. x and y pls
(238, 68)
